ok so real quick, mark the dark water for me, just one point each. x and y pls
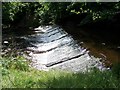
(52, 45)
(98, 44)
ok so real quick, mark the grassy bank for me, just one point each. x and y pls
(17, 74)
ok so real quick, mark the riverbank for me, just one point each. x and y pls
(18, 74)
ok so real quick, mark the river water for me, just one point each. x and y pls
(51, 47)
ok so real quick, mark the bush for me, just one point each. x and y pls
(116, 70)
(18, 63)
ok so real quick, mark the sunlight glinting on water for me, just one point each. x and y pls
(64, 48)
(55, 47)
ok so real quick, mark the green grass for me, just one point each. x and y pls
(30, 78)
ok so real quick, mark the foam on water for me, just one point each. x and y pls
(58, 50)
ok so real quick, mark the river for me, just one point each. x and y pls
(51, 47)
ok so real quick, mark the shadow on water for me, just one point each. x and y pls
(102, 44)
(13, 41)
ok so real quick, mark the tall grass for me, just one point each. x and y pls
(18, 75)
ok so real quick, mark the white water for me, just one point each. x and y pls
(54, 48)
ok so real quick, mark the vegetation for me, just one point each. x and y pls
(17, 74)
(35, 13)
(18, 13)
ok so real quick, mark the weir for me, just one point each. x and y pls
(53, 48)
